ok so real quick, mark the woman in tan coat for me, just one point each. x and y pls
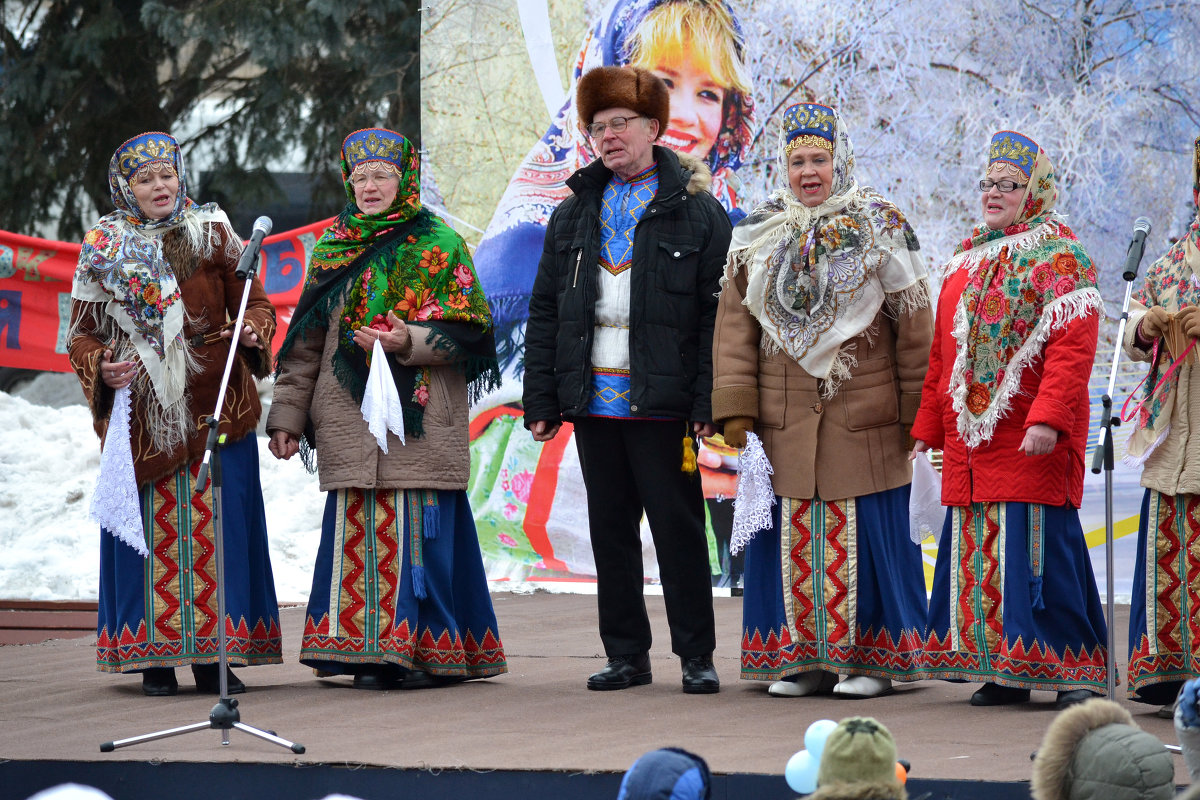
(399, 593)
(821, 344)
(1164, 648)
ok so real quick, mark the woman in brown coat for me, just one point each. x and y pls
(391, 304)
(150, 334)
(821, 344)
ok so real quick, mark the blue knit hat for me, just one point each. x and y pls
(667, 774)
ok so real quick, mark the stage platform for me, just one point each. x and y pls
(535, 732)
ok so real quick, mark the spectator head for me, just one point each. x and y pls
(1094, 750)
(859, 763)
(70, 791)
(667, 774)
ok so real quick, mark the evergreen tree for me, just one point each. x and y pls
(290, 78)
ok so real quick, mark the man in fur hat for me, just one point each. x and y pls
(619, 343)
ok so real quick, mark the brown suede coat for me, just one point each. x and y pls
(211, 294)
(347, 453)
(853, 444)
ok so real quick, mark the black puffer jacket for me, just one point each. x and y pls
(679, 250)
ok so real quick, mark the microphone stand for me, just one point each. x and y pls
(1103, 455)
(224, 714)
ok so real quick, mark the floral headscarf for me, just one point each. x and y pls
(354, 231)
(404, 259)
(1025, 282)
(539, 184)
(122, 266)
(1176, 272)
(817, 277)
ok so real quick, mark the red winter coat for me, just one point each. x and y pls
(1054, 391)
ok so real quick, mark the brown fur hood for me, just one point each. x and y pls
(1096, 750)
(701, 179)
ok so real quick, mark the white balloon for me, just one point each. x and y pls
(815, 736)
(801, 772)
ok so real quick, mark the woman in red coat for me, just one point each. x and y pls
(1006, 400)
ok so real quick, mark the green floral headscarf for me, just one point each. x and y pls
(404, 259)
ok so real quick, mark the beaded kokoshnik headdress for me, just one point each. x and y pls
(808, 125)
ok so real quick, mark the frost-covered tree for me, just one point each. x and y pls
(1111, 88)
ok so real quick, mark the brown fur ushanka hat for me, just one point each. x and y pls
(623, 87)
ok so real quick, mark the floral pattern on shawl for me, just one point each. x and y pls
(1176, 272)
(817, 277)
(1025, 282)
(428, 279)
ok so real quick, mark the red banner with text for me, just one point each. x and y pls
(35, 292)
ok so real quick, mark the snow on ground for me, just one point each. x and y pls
(49, 458)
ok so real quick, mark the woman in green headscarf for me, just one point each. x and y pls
(390, 338)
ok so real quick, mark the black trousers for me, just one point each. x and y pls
(631, 466)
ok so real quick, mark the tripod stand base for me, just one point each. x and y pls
(223, 717)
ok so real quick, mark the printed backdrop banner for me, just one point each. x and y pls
(35, 292)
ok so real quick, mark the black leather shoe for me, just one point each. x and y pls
(992, 694)
(416, 679)
(699, 675)
(420, 679)
(375, 677)
(208, 679)
(622, 672)
(159, 682)
(1068, 699)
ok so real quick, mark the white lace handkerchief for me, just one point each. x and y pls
(115, 503)
(381, 402)
(755, 494)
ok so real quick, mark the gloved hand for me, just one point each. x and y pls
(1154, 323)
(735, 431)
(1188, 697)
(1189, 321)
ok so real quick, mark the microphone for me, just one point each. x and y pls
(248, 263)
(1141, 227)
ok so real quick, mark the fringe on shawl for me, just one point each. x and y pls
(970, 259)
(1130, 460)
(1064, 310)
(481, 370)
(907, 302)
(168, 426)
(843, 363)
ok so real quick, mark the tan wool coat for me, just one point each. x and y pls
(852, 444)
(1174, 466)
(347, 453)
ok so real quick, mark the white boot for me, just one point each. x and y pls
(816, 682)
(863, 686)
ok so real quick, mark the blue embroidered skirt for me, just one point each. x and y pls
(1164, 611)
(399, 580)
(1014, 600)
(161, 611)
(834, 585)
